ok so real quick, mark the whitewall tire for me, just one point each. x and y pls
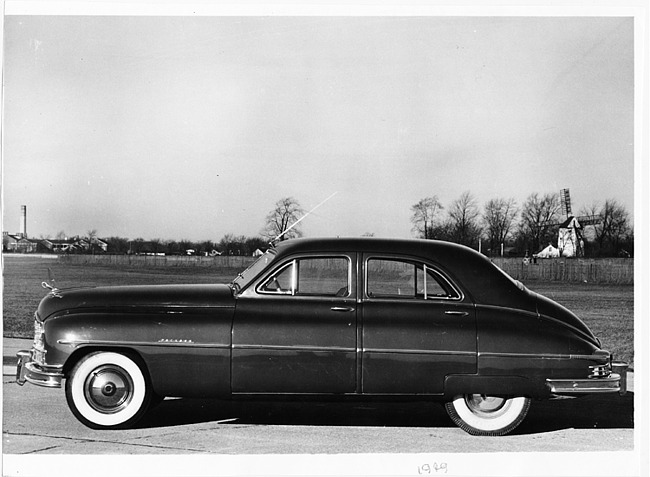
(107, 390)
(482, 415)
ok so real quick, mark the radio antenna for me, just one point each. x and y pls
(272, 242)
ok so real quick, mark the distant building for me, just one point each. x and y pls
(60, 245)
(74, 245)
(17, 243)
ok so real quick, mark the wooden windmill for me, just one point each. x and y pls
(570, 237)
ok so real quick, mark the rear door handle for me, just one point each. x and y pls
(456, 313)
(342, 308)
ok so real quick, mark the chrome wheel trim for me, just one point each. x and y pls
(487, 406)
(108, 389)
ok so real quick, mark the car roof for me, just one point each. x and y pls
(472, 271)
(365, 244)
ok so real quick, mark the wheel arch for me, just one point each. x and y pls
(494, 385)
(84, 351)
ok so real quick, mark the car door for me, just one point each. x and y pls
(418, 327)
(295, 329)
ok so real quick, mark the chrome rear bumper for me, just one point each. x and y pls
(29, 371)
(614, 382)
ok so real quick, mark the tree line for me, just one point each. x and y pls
(280, 224)
(499, 224)
(526, 228)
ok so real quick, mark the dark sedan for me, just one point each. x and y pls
(351, 318)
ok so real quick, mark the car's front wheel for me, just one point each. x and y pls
(107, 390)
(482, 415)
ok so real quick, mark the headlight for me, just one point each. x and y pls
(38, 349)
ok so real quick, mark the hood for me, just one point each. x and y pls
(140, 296)
(549, 309)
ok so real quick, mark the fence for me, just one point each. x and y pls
(613, 271)
(146, 261)
(604, 270)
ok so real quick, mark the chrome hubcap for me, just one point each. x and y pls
(482, 404)
(108, 389)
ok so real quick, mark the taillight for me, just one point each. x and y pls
(600, 371)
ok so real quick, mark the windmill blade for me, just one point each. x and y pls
(589, 219)
(565, 201)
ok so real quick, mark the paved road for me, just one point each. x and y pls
(37, 421)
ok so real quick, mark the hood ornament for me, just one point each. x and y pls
(54, 291)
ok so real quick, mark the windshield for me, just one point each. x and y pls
(242, 280)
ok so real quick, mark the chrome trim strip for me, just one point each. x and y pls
(419, 351)
(537, 355)
(183, 344)
(295, 348)
(480, 306)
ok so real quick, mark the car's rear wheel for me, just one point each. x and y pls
(107, 390)
(482, 415)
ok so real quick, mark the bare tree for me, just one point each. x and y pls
(424, 216)
(498, 218)
(464, 226)
(614, 227)
(232, 244)
(280, 220)
(156, 245)
(538, 215)
(92, 239)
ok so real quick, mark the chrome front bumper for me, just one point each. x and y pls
(614, 382)
(29, 371)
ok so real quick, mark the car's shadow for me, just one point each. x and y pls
(589, 412)
(604, 411)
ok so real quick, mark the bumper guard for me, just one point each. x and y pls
(31, 372)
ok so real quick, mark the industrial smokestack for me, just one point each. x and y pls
(23, 220)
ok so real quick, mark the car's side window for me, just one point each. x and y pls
(311, 276)
(281, 281)
(389, 278)
(323, 276)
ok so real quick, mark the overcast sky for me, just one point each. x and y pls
(182, 127)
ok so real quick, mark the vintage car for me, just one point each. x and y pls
(325, 318)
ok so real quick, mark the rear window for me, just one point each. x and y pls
(395, 278)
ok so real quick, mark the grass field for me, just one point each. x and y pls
(607, 309)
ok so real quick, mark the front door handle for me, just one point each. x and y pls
(342, 308)
(457, 313)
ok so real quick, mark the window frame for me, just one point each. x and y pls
(415, 261)
(293, 263)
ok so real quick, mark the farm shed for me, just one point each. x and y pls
(19, 244)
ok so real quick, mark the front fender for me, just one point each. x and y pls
(186, 352)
